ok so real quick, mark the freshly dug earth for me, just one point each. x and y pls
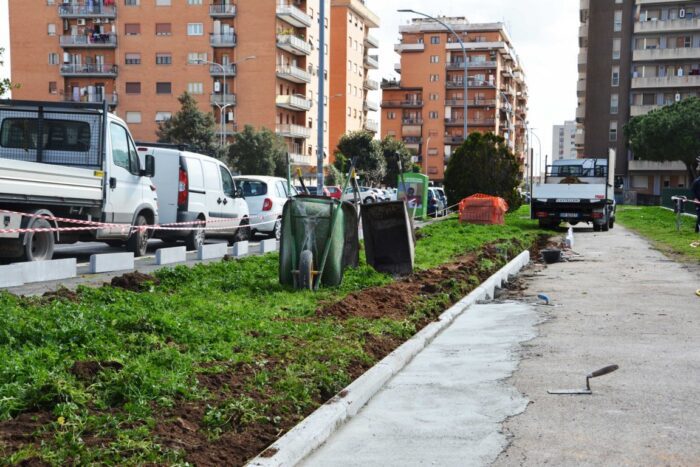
(134, 281)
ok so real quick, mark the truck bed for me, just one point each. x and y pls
(563, 191)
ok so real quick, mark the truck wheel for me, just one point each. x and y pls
(543, 223)
(195, 238)
(38, 246)
(138, 242)
(243, 232)
(596, 227)
(606, 226)
(611, 223)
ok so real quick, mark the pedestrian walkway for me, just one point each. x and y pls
(447, 406)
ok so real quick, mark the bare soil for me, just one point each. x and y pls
(88, 370)
(134, 281)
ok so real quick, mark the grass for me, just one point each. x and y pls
(201, 320)
(659, 226)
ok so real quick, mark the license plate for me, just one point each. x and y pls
(567, 200)
(568, 214)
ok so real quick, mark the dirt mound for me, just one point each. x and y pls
(21, 431)
(134, 281)
(379, 302)
(88, 370)
(61, 293)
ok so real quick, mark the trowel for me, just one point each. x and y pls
(587, 390)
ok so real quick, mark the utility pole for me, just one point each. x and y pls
(321, 94)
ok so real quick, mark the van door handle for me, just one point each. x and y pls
(218, 201)
(225, 201)
(112, 182)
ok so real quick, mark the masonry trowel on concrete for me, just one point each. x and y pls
(587, 390)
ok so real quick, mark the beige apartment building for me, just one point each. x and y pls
(426, 107)
(351, 64)
(257, 59)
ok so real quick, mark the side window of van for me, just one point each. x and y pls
(211, 176)
(227, 182)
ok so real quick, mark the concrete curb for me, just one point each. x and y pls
(313, 431)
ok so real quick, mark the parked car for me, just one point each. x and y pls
(393, 194)
(266, 197)
(367, 195)
(313, 189)
(435, 203)
(197, 188)
(335, 192)
(443, 198)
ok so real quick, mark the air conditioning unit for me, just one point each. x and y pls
(106, 20)
(81, 21)
(678, 97)
(681, 13)
(97, 21)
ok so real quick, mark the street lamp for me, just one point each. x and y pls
(465, 59)
(222, 107)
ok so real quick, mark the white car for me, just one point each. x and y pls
(265, 197)
(367, 195)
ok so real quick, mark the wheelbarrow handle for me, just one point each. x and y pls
(603, 371)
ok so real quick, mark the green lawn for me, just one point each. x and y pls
(659, 226)
(158, 349)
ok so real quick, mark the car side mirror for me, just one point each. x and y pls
(238, 193)
(150, 170)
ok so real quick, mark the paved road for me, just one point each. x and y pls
(625, 304)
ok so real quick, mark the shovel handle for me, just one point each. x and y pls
(603, 371)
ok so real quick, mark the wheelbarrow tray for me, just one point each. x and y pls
(388, 235)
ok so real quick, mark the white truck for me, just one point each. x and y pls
(66, 162)
(574, 191)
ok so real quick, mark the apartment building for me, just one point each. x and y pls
(635, 56)
(563, 141)
(351, 65)
(426, 107)
(256, 60)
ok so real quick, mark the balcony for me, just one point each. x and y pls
(458, 65)
(637, 110)
(397, 67)
(459, 121)
(222, 40)
(97, 41)
(581, 87)
(653, 166)
(294, 16)
(401, 48)
(302, 160)
(106, 71)
(371, 85)
(371, 42)
(582, 58)
(583, 30)
(294, 102)
(293, 74)
(371, 125)
(674, 25)
(227, 99)
(579, 139)
(293, 44)
(293, 131)
(580, 113)
(666, 82)
(370, 106)
(409, 103)
(459, 84)
(683, 53)
(87, 11)
(413, 140)
(222, 11)
(372, 62)
(412, 121)
(93, 98)
(216, 70)
(471, 102)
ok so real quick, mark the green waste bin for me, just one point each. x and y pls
(413, 188)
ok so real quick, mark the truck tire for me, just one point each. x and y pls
(606, 226)
(38, 246)
(596, 227)
(138, 242)
(243, 232)
(611, 223)
(195, 238)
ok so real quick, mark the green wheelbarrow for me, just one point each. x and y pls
(319, 241)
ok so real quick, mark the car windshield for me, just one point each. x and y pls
(252, 187)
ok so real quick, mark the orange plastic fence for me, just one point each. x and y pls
(483, 209)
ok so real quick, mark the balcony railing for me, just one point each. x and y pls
(293, 102)
(293, 131)
(637, 110)
(459, 84)
(89, 70)
(666, 82)
(412, 121)
(674, 25)
(216, 70)
(222, 40)
(294, 16)
(371, 42)
(472, 122)
(370, 106)
(409, 103)
(92, 98)
(94, 40)
(371, 84)
(371, 125)
(412, 140)
(372, 61)
(458, 65)
(471, 103)
(87, 11)
(218, 99)
(222, 11)
(293, 44)
(294, 74)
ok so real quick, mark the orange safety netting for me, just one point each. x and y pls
(483, 209)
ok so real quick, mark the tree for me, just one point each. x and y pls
(5, 84)
(191, 127)
(392, 151)
(258, 153)
(668, 134)
(367, 152)
(483, 164)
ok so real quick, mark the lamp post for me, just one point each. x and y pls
(222, 107)
(465, 59)
(321, 94)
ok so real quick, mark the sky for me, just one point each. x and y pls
(544, 35)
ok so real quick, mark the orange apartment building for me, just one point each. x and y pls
(140, 55)
(426, 107)
(351, 64)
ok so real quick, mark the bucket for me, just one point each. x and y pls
(551, 256)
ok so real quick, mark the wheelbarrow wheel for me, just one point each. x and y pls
(306, 267)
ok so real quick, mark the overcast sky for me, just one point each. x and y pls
(544, 34)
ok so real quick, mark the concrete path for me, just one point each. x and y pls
(625, 303)
(447, 406)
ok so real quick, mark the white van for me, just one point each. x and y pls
(193, 187)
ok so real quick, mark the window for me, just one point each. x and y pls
(434, 97)
(433, 115)
(195, 29)
(227, 182)
(350, 42)
(163, 88)
(123, 152)
(617, 25)
(163, 116)
(53, 58)
(434, 78)
(195, 88)
(53, 89)
(616, 49)
(349, 111)
(51, 29)
(195, 58)
(614, 102)
(164, 59)
(132, 58)
(613, 131)
(194, 2)
(391, 115)
(434, 39)
(615, 81)
(59, 135)
(132, 29)
(163, 29)
(434, 59)
(133, 117)
(133, 88)
(162, 2)
(131, 2)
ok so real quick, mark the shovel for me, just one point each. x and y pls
(587, 390)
